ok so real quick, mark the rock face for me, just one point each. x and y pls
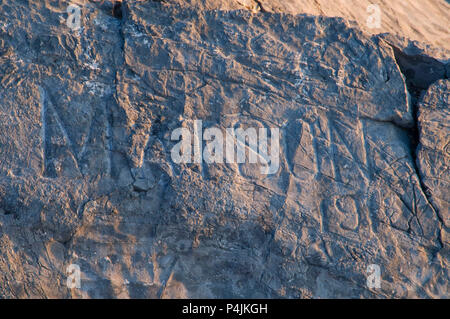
(87, 175)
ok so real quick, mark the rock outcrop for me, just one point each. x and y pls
(87, 176)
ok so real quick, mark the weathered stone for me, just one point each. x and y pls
(434, 149)
(87, 177)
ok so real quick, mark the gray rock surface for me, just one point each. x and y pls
(87, 178)
(434, 149)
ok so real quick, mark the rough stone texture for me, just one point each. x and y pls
(424, 21)
(86, 175)
(434, 151)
